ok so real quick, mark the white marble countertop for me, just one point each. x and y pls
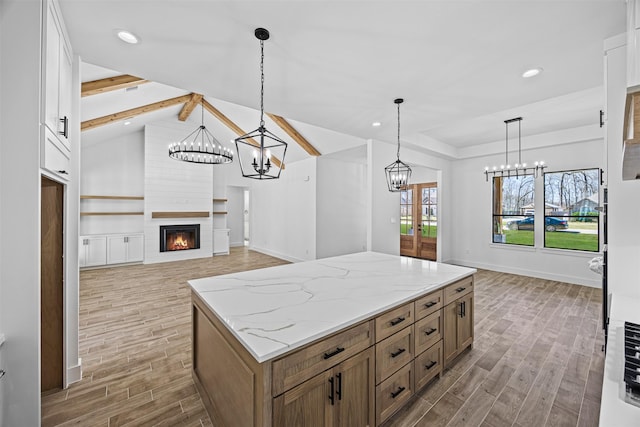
(614, 410)
(274, 310)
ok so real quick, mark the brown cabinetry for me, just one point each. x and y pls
(340, 396)
(458, 323)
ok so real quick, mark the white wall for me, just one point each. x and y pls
(341, 202)
(113, 168)
(283, 213)
(171, 185)
(471, 217)
(20, 194)
(624, 196)
(235, 216)
(2, 365)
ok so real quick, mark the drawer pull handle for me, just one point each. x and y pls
(333, 353)
(395, 394)
(460, 289)
(65, 127)
(398, 353)
(430, 304)
(63, 171)
(430, 331)
(431, 365)
(394, 322)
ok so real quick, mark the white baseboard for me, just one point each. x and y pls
(236, 244)
(275, 254)
(596, 282)
(74, 374)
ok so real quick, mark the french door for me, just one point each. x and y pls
(419, 221)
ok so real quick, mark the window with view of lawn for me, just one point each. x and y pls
(513, 211)
(570, 215)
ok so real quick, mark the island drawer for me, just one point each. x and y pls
(458, 289)
(393, 321)
(393, 353)
(297, 367)
(428, 365)
(428, 304)
(428, 331)
(393, 393)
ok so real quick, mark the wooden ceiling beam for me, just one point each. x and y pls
(235, 128)
(293, 133)
(104, 120)
(110, 83)
(189, 106)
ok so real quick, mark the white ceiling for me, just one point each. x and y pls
(339, 64)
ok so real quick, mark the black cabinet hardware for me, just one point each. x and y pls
(339, 391)
(460, 289)
(601, 118)
(398, 353)
(395, 394)
(461, 314)
(430, 331)
(65, 127)
(464, 309)
(63, 172)
(333, 353)
(394, 322)
(430, 304)
(431, 365)
(332, 390)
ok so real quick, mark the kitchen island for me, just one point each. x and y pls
(338, 341)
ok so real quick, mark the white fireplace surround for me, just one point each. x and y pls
(174, 186)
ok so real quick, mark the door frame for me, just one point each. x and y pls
(414, 249)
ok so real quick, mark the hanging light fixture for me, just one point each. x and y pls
(519, 169)
(261, 153)
(200, 146)
(398, 173)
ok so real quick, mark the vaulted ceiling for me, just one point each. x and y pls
(339, 65)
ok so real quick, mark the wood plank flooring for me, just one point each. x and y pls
(536, 360)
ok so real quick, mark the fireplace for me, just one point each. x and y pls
(179, 237)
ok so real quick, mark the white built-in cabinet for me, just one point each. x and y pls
(57, 83)
(92, 251)
(96, 250)
(125, 248)
(220, 230)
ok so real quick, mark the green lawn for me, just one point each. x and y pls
(433, 230)
(555, 239)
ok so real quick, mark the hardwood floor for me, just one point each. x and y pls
(536, 359)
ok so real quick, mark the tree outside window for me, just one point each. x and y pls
(571, 218)
(513, 210)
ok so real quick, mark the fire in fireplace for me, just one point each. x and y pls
(179, 237)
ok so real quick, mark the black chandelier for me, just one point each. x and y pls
(260, 152)
(519, 169)
(200, 146)
(398, 173)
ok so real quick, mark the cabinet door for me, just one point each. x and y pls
(54, 157)
(450, 337)
(465, 322)
(96, 251)
(64, 95)
(355, 391)
(116, 249)
(307, 405)
(52, 71)
(135, 248)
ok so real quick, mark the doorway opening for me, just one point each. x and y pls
(245, 213)
(419, 221)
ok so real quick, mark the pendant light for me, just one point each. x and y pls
(200, 146)
(260, 152)
(398, 173)
(519, 169)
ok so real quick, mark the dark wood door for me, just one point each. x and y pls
(51, 284)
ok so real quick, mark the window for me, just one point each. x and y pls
(406, 212)
(570, 216)
(513, 210)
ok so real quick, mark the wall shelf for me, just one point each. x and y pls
(86, 197)
(219, 212)
(219, 200)
(109, 213)
(192, 214)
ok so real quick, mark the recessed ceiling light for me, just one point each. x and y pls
(531, 72)
(127, 36)
(376, 124)
(127, 123)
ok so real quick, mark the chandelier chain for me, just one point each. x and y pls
(398, 153)
(261, 83)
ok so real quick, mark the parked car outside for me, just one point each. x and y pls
(550, 224)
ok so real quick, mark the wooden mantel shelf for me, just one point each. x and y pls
(188, 214)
